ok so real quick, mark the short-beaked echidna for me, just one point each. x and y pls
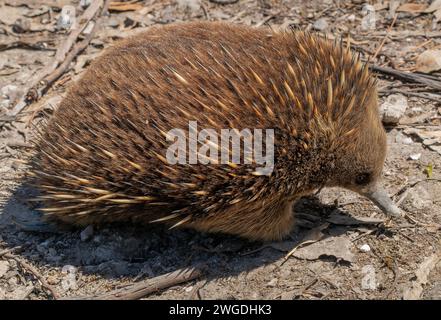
(102, 157)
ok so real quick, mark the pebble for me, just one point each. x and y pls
(113, 22)
(321, 24)
(87, 233)
(9, 91)
(393, 109)
(415, 156)
(418, 199)
(5, 103)
(415, 111)
(69, 281)
(190, 5)
(272, 282)
(85, 3)
(369, 280)
(365, 248)
(67, 18)
(52, 280)
(401, 138)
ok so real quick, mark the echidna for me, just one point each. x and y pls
(102, 157)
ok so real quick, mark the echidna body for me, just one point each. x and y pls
(102, 157)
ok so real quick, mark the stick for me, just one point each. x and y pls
(144, 288)
(62, 57)
(27, 267)
(423, 95)
(407, 76)
(36, 45)
(385, 37)
(34, 93)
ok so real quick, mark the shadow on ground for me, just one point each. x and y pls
(115, 251)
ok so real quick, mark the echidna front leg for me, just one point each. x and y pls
(267, 222)
(305, 220)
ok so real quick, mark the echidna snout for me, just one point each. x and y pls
(361, 167)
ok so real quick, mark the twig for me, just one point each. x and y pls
(35, 45)
(262, 22)
(144, 288)
(311, 237)
(63, 57)
(423, 95)
(408, 76)
(27, 267)
(223, 2)
(6, 251)
(385, 37)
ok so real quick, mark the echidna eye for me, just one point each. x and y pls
(363, 178)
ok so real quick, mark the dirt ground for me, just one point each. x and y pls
(357, 253)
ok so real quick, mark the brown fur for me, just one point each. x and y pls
(102, 156)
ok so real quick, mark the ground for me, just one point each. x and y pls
(354, 251)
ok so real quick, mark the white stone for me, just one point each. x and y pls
(365, 248)
(369, 280)
(393, 109)
(66, 20)
(320, 24)
(69, 281)
(415, 156)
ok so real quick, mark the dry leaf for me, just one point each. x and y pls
(412, 7)
(429, 61)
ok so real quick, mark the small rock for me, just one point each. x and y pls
(13, 281)
(415, 111)
(369, 281)
(429, 61)
(9, 91)
(272, 283)
(351, 18)
(113, 22)
(21, 25)
(67, 18)
(4, 267)
(321, 24)
(190, 5)
(365, 248)
(87, 233)
(69, 281)
(85, 3)
(52, 280)
(418, 199)
(188, 289)
(415, 156)
(401, 138)
(368, 22)
(5, 103)
(393, 108)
